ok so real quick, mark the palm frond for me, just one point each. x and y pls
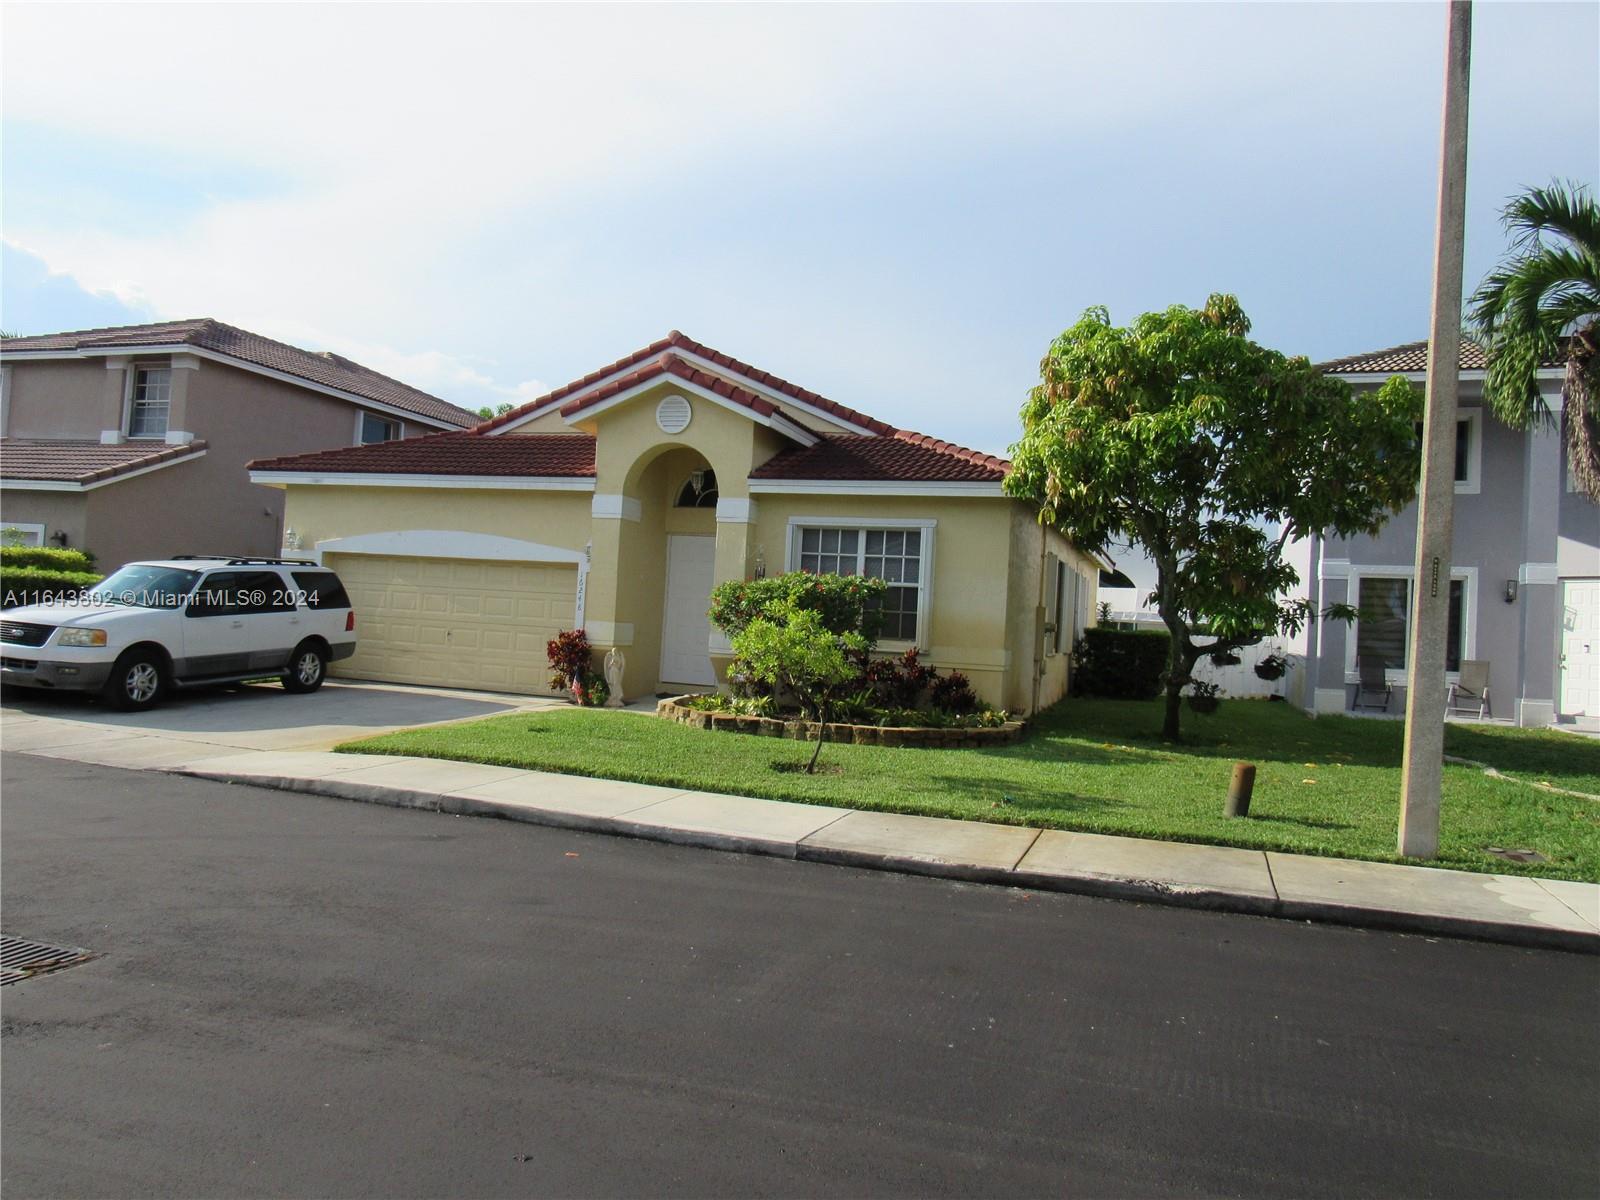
(1563, 207)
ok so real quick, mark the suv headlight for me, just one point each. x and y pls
(82, 637)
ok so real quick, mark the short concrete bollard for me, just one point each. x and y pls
(1239, 789)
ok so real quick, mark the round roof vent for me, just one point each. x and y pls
(673, 414)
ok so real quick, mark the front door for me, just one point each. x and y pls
(1580, 650)
(685, 629)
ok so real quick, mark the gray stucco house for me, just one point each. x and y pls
(1525, 570)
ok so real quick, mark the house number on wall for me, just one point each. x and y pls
(672, 414)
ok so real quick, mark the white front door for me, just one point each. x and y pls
(685, 629)
(1580, 649)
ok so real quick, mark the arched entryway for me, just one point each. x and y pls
(690, 528)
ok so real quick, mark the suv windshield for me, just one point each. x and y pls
(144, 586)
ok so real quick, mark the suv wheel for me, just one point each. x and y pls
(136, 681)
(308, 666)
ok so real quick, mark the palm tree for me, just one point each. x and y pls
(1542, 305)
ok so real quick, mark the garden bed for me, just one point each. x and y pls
(907, 736)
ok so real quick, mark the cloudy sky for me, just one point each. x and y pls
(896, 206)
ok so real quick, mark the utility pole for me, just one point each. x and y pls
(1430, 610)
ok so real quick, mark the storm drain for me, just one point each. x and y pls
(21, 959)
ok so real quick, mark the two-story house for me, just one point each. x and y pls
(132, 442)
(1524, 573)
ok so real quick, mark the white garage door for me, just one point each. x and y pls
(451, 622)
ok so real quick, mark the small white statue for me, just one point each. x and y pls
(615, 664)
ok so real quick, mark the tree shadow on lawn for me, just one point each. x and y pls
(1013, 803)
(1241, 730)
(1532, 753)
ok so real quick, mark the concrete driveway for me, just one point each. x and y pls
(212, 722)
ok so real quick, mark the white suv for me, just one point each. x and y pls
(182, 622)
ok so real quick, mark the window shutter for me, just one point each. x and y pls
(1067, 606)
(1052, 603)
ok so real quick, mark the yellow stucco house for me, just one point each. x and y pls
(615, 504)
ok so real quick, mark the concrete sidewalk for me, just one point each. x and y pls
(1502, 908)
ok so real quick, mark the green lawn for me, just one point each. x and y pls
(1325, 786)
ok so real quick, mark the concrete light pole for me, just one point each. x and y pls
(1430, 614)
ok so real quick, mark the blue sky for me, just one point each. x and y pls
(895, 206)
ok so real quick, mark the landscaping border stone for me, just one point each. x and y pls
(905, 736)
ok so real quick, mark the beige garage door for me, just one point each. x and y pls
(455, 622)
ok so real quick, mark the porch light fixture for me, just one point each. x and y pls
(697, 480)
(1511, 591)
(761, 563)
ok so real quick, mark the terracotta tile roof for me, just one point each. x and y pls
(83, 462)
(459, 453)
(671, 364)
(886, 454)
(901, 457)
(678, 341)
(1413, 356)
(327, 369)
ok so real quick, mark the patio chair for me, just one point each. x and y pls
(1470, 692)
(1374, 689)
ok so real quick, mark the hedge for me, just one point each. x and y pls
(847, 603)
(1120, 664)
(29, 585)
(45, 558)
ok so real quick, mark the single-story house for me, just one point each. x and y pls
(616, 503)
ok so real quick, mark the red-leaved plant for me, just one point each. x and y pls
(569, 656)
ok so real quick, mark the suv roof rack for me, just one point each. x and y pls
(245, 562)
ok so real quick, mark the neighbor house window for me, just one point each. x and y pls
(151, 402)
(1383, 623)
(897, 556)
(378, 429)
(1467, 451)
(21, 534)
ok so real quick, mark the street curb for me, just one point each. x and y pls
(1102, 886)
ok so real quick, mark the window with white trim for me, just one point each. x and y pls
(896, 556)
(378, 429)
(1468, 450)
(150, 402)
(1383, 621)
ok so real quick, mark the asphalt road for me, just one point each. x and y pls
(307, 997)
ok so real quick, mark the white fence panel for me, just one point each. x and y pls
(1241, 680)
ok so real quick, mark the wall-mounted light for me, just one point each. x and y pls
(761, 563)
(1511, 591)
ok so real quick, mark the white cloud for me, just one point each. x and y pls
(457, 188)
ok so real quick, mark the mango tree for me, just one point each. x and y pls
(1213, 453)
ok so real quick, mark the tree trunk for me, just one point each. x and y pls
(1177, 668)
(822, 733)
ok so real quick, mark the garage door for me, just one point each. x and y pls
(455, 622)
